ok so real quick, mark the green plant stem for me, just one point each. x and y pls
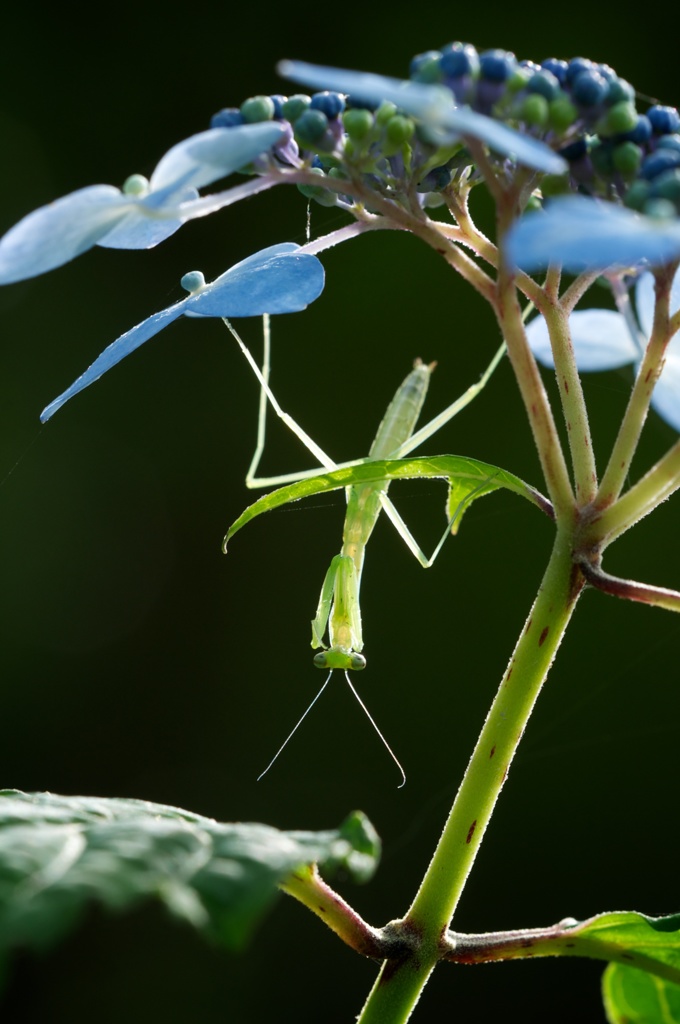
(573, 403)
(638, 406)
(642, 498)
(307, 886)
(400, 982)
(535, 398)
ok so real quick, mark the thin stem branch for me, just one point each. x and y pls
(628, 437)
(573, 404)
(308, 887)
(535, 398)
(629, 590)
(642, 498)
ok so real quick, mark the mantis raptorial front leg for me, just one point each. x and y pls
(339, 610)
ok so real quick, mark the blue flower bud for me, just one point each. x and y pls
(496, 65)
(278, 102)
(331, 104)
(229, 117)
(575, 67)
(545, 83)
(458, 59)
(664, 120)
(557, 67)
(642, 132)
(619, 91)
(588, 88)
(668, 142)
(311, 126)
(575, 150)
(425, 68)
(658, 162)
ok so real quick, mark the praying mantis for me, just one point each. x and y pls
(338, 610)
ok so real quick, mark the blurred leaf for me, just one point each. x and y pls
(467, 478)
(636, 997)
(58, 854)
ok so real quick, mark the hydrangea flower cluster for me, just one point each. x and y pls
(562, 138)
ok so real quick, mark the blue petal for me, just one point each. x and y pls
(666, 395)
(276, 280)
(116, 351)
(600, 338)
(54, 234)
(146, 225)
(432, 104)
(585, 234)
(208, 156)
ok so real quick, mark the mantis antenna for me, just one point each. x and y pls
(366, 712)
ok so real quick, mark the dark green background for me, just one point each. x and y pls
(139, 661)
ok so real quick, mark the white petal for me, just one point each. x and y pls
(666, 397)
(645, 300)
(600, 339)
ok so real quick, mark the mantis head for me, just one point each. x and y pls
(338, 657)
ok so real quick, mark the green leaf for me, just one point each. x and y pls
(636, 997)
(468, 479)
(58, 854)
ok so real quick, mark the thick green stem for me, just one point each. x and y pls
(399, 984)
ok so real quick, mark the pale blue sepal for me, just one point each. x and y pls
(143, 227)
(204, 158)
(431, 104)
(587, 234)
(57, 233)
(274, 280)
(600, 338)
(103, 215)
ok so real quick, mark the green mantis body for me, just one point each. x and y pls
(339, 602)
(339, 609)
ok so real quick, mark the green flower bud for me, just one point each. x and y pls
(258, 108)
(561, 113)
(627, 158)
(357, 123)
(323, 196)
(399, 129)
(310, 127)
(295, 106)
(637, 195)
(534, 110)
(384, 112)
(620, 118)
